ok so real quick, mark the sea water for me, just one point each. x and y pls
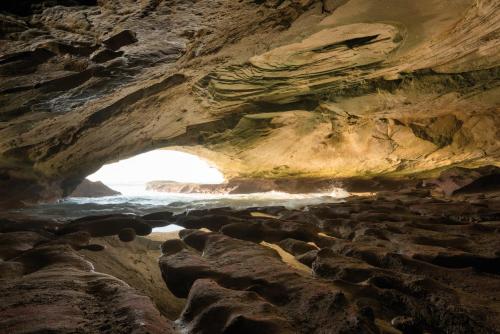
(136, 200)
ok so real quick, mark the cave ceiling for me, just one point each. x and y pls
(260, 88)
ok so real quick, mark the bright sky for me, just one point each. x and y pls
(158, 165)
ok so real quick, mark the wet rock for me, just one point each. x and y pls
(48, 286)
(245, 231)
(296, 247)
(172, 246)
(57, 281)
(107, 225)
(397, 254)
(94, 247)
(213, 222)
(212, 309)
(307, 258)
(77, 240)
(416, 262)
(245, 266)
(127, 234)
(164, 215)
(328, 264)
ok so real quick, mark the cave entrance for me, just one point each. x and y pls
(200, 186)
(131, 176)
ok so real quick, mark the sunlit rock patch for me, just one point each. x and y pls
(335, 58)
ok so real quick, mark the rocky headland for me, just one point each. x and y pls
(247, 186)
(93, 189)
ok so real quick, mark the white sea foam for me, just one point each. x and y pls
(136, 200)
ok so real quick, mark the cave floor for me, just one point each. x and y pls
(394, 262)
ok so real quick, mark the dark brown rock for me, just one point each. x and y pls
(59, 292)
(397, 255)
(172, 246)
(463, 180)
(48, 286)
(213, 309)
(164, 215)
(123, 38)
(104, 55)
(127, 234)
(296, 247)
(407, 325)
(107, 225)
(245, 266)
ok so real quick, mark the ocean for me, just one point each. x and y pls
(136, 200)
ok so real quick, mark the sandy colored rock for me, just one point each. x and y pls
(260, 88)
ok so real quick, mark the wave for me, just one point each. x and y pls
(142, 202)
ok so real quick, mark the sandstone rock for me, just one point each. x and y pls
(172, 246)
(247, 186)
(49, 286)
(384, 95)
(94, 247)
(127, 234)
(116, 41)
(107, 225)
(103, 56)
(63, 294)
(296, 247)
(136, 263)
(244, 266)
(164, 215)
(397, 261)
(421, 267)
(93, 189)
(462, 180)
(264, 90)
(214, 309)
(14, 243)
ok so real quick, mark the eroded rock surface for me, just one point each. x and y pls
(48, 286)
(136, 263)
(414, 260)
(392, 263)
(262, 88)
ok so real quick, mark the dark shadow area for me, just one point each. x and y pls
(29, 7)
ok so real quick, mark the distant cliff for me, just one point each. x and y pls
(246, 186)
(93, 189)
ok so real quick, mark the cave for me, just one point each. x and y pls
(348, 155)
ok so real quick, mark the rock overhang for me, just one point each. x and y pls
(367, 105)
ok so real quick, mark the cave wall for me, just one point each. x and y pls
(261, 88)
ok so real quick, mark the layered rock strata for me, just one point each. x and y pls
(261, 88)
